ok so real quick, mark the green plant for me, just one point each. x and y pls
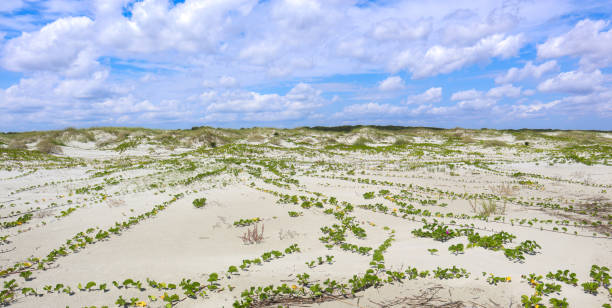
(369, 195)
(528, 247)
(514, 254)
(450, 273)
(246, 222)
(295, 214)
(531, 301)
(26, 275)
(199, 202)
(456, 249)
(600, 277)
(232, 269)
(590, 287)
(564, 276)
(213, 278)
(558, 303)
(494, 280)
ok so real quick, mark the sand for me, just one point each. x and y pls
(185, 242)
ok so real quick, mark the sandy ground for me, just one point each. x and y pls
(184, 242)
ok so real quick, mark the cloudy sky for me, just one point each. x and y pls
(288, 63)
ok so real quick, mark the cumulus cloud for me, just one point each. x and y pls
(528, 71)
(83, 65)
(371, 109)
(89, 88)
(392, 83)
(465, 95)
(464, 26)
(397, 29)
(298, 103)
(228, 82)
(222, 82)
(441, 59)
(125, 105)
(587, 40)
(190, 26)
(476, 103)
(61, 46)
(281, 37)
(431, 95)
(531, 110)
(577, 82)
(506, 90)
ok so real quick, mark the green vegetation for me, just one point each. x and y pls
(199, 202)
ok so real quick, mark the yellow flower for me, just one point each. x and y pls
(294, 287)
(19, 222)
(508, 278)
(141, 304)
(395, 210)
(27, 264)
(162, 296)
(537, 306)
(532, 281)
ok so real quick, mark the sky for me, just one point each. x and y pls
(288, 63)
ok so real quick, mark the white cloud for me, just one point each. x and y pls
(530, 110)
(529, 92)
(154, 25)
(279, 37)
(222, 82)
(442, 60)
(466, 95)
(90, 87)
(476, 103)
(506, 90)
(464, 26)
(398, 29)
(72, 66)
(260, 53)
(371, 109)
(392, 83)
(431, 95)
(577, 82)
(125, 105)
(228, 82)
(528, 71)
(298, 103)
(587, 40)
(61, 46)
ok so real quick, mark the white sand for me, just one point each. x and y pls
(185, 242)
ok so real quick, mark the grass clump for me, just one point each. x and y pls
(361, 141)
(126, 145)
(48, 147)
(486, 208)
(18, 144)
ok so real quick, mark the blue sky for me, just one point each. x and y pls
(288, 63)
